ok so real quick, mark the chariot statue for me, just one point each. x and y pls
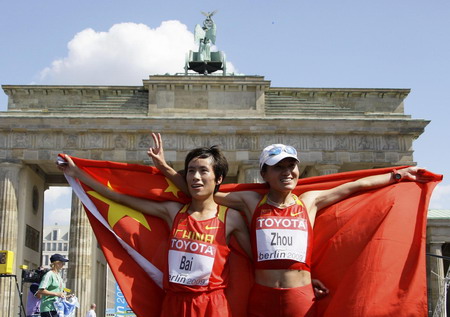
(204, 61)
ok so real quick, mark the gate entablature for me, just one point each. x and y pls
(38, 140)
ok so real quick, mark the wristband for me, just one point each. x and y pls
(396, 176)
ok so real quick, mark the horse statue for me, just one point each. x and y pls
(204, 61)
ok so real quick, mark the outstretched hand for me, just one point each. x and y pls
(68, 167)
(156, 153)
(417, 174)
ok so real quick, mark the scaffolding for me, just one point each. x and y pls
(444, 282)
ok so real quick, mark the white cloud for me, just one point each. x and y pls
(57, 205)
(124, 55)
(52, 194)
(441, 197)
(61, 216)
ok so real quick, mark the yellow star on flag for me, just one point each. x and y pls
(171, 188)
(117, 211)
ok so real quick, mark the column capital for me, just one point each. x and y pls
(11, 163)
(436, 247)
(327, 169)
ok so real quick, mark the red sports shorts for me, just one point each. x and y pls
(281, 302)
(190, 304)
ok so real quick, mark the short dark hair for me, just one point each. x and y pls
(263, 168)
(219, 161)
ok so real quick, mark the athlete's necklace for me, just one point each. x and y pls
(278, 205)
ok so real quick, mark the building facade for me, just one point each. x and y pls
(55, 240)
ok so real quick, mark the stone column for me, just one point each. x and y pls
(327, 169)
(437, 276)
(80, 256)
(9, 215)
(249, 175)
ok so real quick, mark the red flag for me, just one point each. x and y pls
(369, 249)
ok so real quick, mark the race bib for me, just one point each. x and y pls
(281, 238)
(190, 262)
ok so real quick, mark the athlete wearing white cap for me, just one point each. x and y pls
(282, 221)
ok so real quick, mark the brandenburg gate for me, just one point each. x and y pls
(335, 130)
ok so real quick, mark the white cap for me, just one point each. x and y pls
(274, 153)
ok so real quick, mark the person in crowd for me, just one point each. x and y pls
(91, 312)
(52, 286)
(33, 301)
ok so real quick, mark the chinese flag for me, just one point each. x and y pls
(369, 249)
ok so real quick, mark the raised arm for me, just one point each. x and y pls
(164, 210)
(156, 153)
(243, 201)
(317, 200)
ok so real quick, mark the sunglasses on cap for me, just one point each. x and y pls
(278, 149)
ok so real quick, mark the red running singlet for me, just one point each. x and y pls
(198, 252)
(281, 238)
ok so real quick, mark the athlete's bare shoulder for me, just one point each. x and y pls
(251, 199)
(235, 220)
(172, 208)
(237, 226)
(235, 216)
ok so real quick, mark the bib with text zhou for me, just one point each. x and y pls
(281, 238)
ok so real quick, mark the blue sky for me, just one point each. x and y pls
(333, 44)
